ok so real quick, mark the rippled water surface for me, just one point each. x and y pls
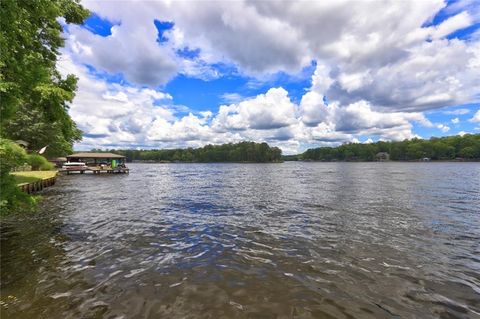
(291, 240)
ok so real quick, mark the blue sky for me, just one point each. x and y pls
(297, 75)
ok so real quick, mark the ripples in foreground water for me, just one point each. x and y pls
(292, 240)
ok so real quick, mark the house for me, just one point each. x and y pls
(22, 144)
(382, 156)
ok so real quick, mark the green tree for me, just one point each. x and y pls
(240, 152)
(34, 95)
(31, 125)
(11, 156)
(414, 150)
(467, 152)
(38, 162)
(444, 148)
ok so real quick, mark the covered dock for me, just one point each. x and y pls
(97, 163)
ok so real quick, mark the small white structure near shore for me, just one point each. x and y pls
(382, 156)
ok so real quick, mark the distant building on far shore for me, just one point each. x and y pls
(382, 156)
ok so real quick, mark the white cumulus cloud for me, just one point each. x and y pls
(379, 66)
(476, 117)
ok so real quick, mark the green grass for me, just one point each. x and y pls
(32, 176)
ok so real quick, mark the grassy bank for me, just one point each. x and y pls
(32, 176)
(14, 200)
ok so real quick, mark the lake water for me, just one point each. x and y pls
(291, 240)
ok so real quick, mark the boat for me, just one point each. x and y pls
(74, 166)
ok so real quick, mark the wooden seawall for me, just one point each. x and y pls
(37, 186)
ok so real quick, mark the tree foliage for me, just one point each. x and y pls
(34, 94)
(444, 148)
(39, 163)
(240, 152)
(11, 156)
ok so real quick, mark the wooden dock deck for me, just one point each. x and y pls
(98, 170)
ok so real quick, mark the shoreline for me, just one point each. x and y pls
(35, 181)
(390, 161)
(179, 162)
(308, 161)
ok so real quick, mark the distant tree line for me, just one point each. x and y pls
(240, 152)
(444, 148)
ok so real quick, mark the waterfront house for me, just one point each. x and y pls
(382, 156)
(23, 144)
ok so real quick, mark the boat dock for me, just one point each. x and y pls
(97, 170)
(95, 163)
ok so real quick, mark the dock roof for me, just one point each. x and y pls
(95, 155)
